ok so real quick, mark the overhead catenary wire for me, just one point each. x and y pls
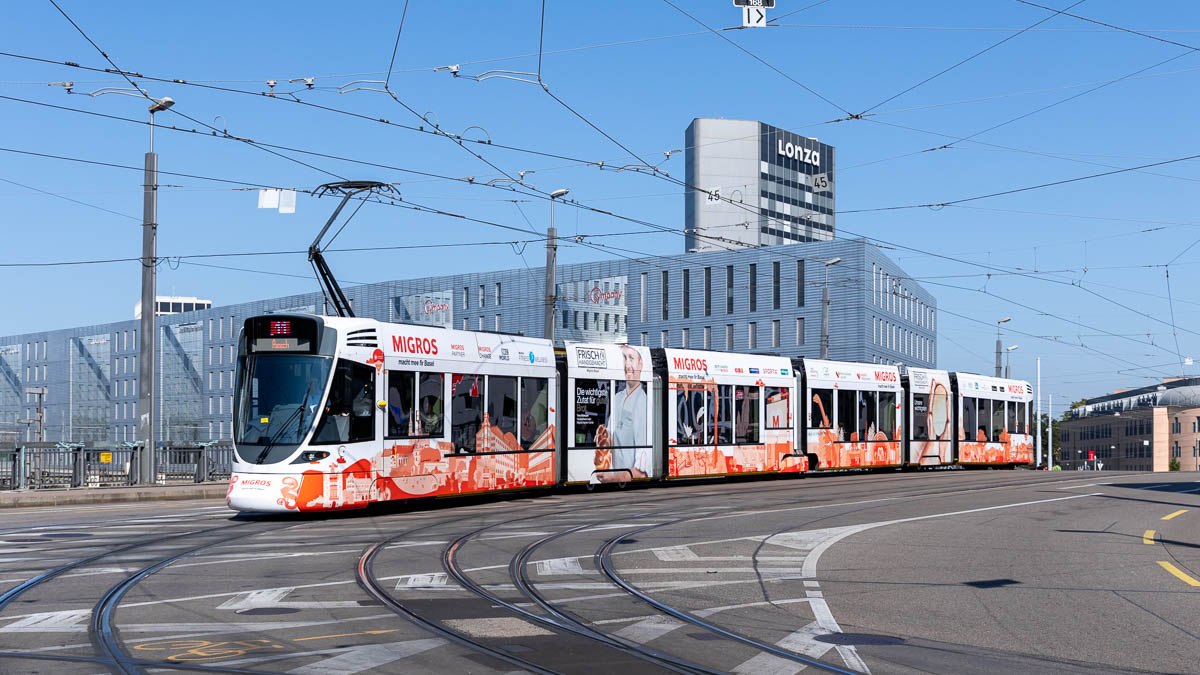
(969, 58)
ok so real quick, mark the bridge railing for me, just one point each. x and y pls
(70, 465)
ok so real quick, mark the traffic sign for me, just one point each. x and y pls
(765, 4)
(753, 17)
(106, 458)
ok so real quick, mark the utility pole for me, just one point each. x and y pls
(147, 330)
(825, 309)
(1039, 413)
(999, 346)
(551, 264)
(1050, 431)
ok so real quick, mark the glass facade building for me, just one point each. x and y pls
(765, 300)
(755, 185)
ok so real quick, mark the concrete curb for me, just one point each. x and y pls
(79, 496)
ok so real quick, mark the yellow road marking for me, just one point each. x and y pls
(1148, 537)
(1179, 573)
(1177, 513)
(366, 632)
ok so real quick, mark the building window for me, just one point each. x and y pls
(479, 323)
(752, 335)
(708, 337)
(606, 322)
(687, 295)
(643, 297)
(729, 289)
(707, 291)
(775, 333)
(466, 303)
(753, 287)
(497, 293)
(800, 330)
(663, 339)
(497, 323)
(729, 336)
(575, 319)
(666, 294)
(684, 338)
(566, 319)
(585, 320)
(775, 285)
(643, 339)
(799, 283)
(464, 324)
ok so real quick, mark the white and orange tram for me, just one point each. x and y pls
(337, 413)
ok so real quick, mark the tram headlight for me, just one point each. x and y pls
(311, 456)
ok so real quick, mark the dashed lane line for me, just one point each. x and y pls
(1148, 537)
(1169, 516)
(1184, 576)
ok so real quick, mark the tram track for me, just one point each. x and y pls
(102, 632)
(562, 621)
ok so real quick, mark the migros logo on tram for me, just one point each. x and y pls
(682, 363)
(885, 376)
(414, 345)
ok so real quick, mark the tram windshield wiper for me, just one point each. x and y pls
(262, 456)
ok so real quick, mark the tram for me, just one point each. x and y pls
(335, 413)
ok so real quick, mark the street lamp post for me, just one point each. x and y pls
(999, 347)
(1008, 356)
(551, 255)
(825, 309)
(147, 329)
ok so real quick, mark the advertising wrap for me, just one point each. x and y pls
(855, 414)
(931, 413)
(610, 424)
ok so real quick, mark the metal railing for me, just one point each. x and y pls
(68, 465)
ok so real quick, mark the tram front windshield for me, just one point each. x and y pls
(276, 403)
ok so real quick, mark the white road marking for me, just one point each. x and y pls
(1151, 487)
(366, 657)
(496, 627)
(560, 566)
(274, 597)
(1189, 491)
(649, 629)
(435, 581)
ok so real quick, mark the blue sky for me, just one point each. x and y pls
(1079, 266)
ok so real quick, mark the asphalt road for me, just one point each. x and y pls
(943, 572)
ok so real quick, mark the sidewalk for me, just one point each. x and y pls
(76, 496)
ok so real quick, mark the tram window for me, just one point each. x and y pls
(431, 408)
(724, 423)
(690, 409)
(969, 419)
(747, 422)
(400, 420)
(887, 415)
(820, 414)
(779, 407)
(920, 417)
(350, 411)
(847, 414)
(867, 409)
(591, 412)
(535, 393)
(1012, 418)
(502, 404)
(466, 410)
(997, 420)
(981, 433)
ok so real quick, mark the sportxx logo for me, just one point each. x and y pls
(431, 306)
(599, 296)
